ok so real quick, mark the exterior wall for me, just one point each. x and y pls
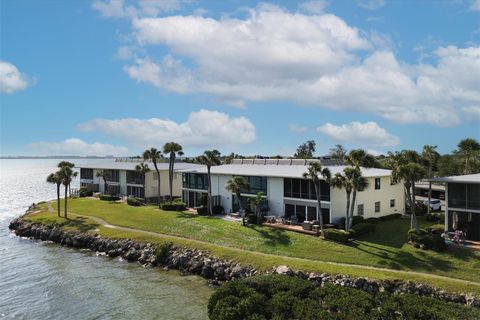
(368, 197)
(151, 184)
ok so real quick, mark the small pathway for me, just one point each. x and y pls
(166, 236)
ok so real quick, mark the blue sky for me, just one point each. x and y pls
(115, 77)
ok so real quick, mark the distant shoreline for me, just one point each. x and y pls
(57, 157)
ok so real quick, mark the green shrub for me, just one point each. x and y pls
(337, 235)
(427, 239)
(134, 201)
(436, 228)
(362, 228)
(392, 216)
(355, 220)
(371, 220)
(218, 210)
(282, 297)
(162, 252)
(175, 205)
(202, 211)
(252, 218)
(84, 192)
(107, 197)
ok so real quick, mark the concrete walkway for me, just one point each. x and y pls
(166, 236)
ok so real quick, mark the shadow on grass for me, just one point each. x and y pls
(78, 223)
(272, 236)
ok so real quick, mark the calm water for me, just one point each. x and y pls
(45, 281)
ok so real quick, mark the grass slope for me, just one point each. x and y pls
(385, 248)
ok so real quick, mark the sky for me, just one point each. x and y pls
(113, 77)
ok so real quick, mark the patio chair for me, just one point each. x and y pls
(306, 225)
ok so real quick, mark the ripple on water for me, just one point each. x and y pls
(42, 281)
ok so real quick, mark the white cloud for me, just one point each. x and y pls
(297, 128)
(203, 128)
(109, 9)
(141, 8)
(319, 60)
(314, 6)
(371, 4)
(11, 79)
(472, 113)
(367, 133)
(475, 6)
(75, 146)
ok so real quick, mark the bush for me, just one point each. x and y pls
(283, 297)
(436, 228)
(136, 202)
(392, 216)
(355, 220)
(84, 192)
(427, 239)
(251, 218)
(107, 197)
(371, 220)
(218, 210)
(202, 211)
(162, 252)
(420, 209)
(175, 205)
(362, 228)
(337, 235)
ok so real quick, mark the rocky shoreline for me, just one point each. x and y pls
(216, 271)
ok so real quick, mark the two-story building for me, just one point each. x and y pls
(287, 193)
(124, 180)
(462, 204)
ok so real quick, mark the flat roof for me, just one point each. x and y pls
(130, 165)
(283, 171)
(468, 178)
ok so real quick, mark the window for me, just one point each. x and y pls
(135, 191)
(134, 177)
(377, 183)
(377, 206)
(392, 203)
(197, 181)
(86, 173)
(304, 189)
(360, 210)
(113, 175)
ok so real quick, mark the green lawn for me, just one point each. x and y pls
(385, 248)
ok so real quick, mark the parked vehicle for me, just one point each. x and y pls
(435, 204)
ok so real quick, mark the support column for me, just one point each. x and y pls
(446, 207)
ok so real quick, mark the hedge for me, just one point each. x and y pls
(337, 235)
(136, 202)
(392, 216)
(284, 297)
(174, 206)
(218, 210)
(84, 192)
(427, 239)
(355, 220)
(107, 197)
(202, 211)
(362, 228)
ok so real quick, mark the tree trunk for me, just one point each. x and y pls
(66, 200)
(352, 209)
(105, 185)
(158, 181)
(347, 214)
(415, 224)
(144, 191)
(429, 196)
(170, 175)
(240, 207)
(58, 199)
(319, 200)
(209, 203)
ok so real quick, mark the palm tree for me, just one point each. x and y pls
(236, 185)
(359, 183)
(209, 158)
(430, 156)
(143, 168)
(313, 172)
(407, 168)
(257, 201)
(359, 158)
(154, 155)
(172, 149)
(104, 174)
(467, 149)
(55, 178)
(71, 165)
(75, 174)
(66, 174)
(344, 181)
